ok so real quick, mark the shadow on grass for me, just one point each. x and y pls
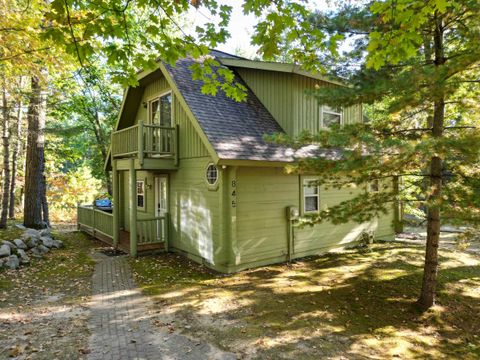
(358, 305)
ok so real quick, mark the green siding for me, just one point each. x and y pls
(149, 210)
(263, 195)
(284, 95)
(153, 89)
(195, 213)
(191, 145)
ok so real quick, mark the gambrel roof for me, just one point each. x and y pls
(234, 129)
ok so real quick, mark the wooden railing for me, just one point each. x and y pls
(152, 230)
(145, 140)
(95, 220)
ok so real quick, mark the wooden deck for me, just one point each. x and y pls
(124, 242)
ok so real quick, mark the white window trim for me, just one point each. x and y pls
(206, 173)
(370, 188)
(137, 194)
(305, 182)
(157, 97)
(325, 111)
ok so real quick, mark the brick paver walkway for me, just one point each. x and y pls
(120, 321)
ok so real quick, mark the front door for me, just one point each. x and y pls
(161, 204)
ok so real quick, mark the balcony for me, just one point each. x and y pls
(151, 146)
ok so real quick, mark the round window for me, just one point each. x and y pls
(212, 174)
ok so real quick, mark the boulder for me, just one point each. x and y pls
(47, 241)
(36, 252)
(30, 233)
(20, 244)
(12, 262)
(58, 244)
(20, 226)
(5, 250)
(32, 242)
(43, 249)
(45, 232)
(9, 244)
(24, 259)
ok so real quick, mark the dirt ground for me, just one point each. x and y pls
(347, 305)
(42, 311)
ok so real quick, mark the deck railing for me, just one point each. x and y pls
(145, 140)
(95, 220)
(152, 230)
(149, 230)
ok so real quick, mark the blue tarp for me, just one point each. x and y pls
(103, 203)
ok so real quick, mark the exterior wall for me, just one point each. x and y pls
(149, 211)
(261, 229)
(195, 213)
(284, 95)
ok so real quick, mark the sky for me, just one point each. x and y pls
(241, 26)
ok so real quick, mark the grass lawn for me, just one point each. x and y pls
(349, 305)
(42, 313)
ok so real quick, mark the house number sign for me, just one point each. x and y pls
(234, 193)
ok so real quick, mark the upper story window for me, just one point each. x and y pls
(331, 116)
(161, 110)
(311, 196)
(211, 174)
(374, 186)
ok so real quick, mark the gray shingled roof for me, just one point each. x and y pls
(235, 129)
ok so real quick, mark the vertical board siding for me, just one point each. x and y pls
(149, 211)
(191, 144)
(263, 195)
(155, 88)
(194, 212)
(286, 97)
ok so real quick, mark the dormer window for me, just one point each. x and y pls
(331, 116)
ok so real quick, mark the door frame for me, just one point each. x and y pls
(157, 180)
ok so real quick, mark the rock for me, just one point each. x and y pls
(5, 250)
(45, 232)
(20, 226)
(9, 244)
(43, 249)
(47, 241)
(20, 244)
(31, 233)
(58, 244)
(12, 262)
(36, 252)
(24, 259)
(32, 242)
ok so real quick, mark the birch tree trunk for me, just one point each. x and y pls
(6, 159)
(35, 159)
(15, 155)
(428, 292)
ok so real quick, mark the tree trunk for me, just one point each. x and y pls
(6, 159)
(15, 155)
(427, 295)
(45, 212)
(35, 160)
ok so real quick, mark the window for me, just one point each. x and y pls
(311, 196)
(161, 110)
(331, 116)
(212, 174)
(141, 194)
(374, 186)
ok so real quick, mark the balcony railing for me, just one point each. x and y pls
(145, 141)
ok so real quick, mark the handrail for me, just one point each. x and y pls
(145, 140)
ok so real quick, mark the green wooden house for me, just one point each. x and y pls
(193, 174)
